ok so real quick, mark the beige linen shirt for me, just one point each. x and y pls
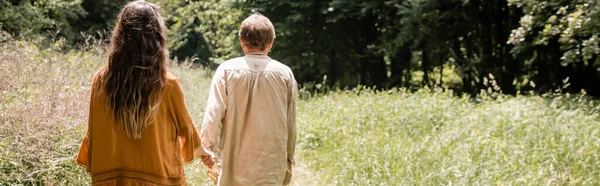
(250, 121)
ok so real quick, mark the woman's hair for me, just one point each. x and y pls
(134, 77)
(257, 31)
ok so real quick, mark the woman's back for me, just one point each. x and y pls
(139, 130)
(113, 158)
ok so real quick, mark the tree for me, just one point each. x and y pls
(101, 15)
(24, 17)
(206, 30)
(334, 38)
(557, 40)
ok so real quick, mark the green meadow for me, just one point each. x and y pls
(346, 137)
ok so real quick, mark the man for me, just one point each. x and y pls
(250, 118)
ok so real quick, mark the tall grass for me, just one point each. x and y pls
(354, 137)
(44, 99)
(434, 138)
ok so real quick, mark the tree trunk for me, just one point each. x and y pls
(333, 74)
(399, 63)
(425, 66)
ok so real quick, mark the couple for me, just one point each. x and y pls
(140, 131)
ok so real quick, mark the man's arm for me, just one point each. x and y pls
(215, 110)
(291, 124)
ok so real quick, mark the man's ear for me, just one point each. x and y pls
(270, 45)
(242, 43)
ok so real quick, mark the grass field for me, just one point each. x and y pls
(353, 137)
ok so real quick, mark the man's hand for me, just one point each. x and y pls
(288, 174)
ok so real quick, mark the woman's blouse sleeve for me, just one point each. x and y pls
(186, 131)
(84, 156)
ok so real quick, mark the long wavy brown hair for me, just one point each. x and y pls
(134, 77)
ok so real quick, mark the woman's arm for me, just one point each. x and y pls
(186, 131)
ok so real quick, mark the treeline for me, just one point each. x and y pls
(464, 45)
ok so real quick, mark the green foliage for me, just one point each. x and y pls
(383, 44)
(101, 15)
(26, 18)
(206, 30)
(388, 43)
(333, 38)
(63, 14)
(559, 39)
(573, 23)
(203, 30)
(19, 17)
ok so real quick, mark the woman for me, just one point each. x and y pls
(139, 129)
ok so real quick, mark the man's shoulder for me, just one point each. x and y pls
(230, 63)
(280, 66)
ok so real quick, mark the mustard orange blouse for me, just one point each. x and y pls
(157, 158)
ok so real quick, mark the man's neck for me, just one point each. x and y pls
(256, 52)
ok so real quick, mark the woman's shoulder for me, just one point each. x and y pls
(171, 77)
(97, 79)
(172, 81)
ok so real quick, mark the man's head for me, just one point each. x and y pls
(257, 32)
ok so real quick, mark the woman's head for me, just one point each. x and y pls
(257, 32)
(135, 74)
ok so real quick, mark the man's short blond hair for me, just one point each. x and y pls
(257, 32)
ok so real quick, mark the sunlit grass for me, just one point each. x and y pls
(354, 137)
(433, 138)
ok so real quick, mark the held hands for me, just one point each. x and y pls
(207, 160)
(206, 156)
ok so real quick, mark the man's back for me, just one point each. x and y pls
(253, 99)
